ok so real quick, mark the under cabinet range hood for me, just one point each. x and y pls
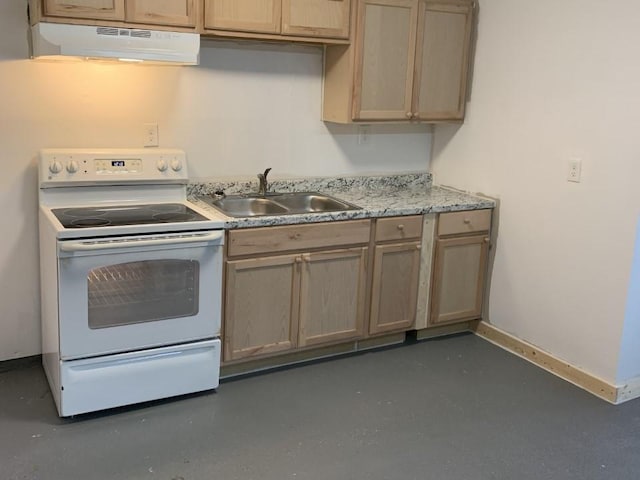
(57, 40)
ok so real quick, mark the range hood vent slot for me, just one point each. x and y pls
(107, 31)
(141, 33)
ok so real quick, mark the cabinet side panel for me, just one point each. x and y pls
(426, 270)
(35, 11)
(338, 78)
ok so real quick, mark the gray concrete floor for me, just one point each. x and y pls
(453, 408)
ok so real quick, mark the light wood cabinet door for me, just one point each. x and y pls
(442, 58)
(261, 16)
(332, 296)
(384, 59)
(316, 18)
(396, 269)
(181, 13)
(408, 61)
(459, 277)
(90, 9)
(261, 306)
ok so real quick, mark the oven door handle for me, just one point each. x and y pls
(208, 238)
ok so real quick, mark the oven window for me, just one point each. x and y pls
(145, 291)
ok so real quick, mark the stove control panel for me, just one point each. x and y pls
(62, 167)
(119, 166)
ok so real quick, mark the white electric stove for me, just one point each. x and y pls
(131, 279)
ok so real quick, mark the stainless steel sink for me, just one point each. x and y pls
(309, 202)
(278, 204)
(237, 206)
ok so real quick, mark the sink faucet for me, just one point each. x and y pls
(263, 186)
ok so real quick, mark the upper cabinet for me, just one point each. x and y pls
(442, 60)
(303, 20)
(316, 18)
(306, 21)
(174, 14)
(180, 13)
(385, 50)
(89, 9)
(258, 16)
(408, 62)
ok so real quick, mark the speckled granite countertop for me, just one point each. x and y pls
(379, 196)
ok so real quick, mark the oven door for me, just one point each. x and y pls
(130, 293)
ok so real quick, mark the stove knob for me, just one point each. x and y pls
(72, 166)
(161, 165)
(55, 167)
(176, 165)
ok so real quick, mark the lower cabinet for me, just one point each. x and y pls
(396, 267)
(261, 306)
(332, 293)
(460, 266)
(314, 285)
(309, 296)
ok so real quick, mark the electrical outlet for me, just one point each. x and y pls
(150, 135)
(363, 134)
(575, 170)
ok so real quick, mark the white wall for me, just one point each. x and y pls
(243, 109)
(555, 80)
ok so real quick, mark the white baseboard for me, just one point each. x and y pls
(592, 384)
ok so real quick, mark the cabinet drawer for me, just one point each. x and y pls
(298, 237)
(464, 222)
(399, 228)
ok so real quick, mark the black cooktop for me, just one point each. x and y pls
(118, 215)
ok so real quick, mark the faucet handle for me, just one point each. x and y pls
(266, 172)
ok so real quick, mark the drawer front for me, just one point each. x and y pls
(298, 237)
(464, 222)
(399, 228)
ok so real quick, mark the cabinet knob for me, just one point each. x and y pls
(418, 247)
(401, 227)
(298, 260)
(467, 221)
(409, 114)
(486, 239)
